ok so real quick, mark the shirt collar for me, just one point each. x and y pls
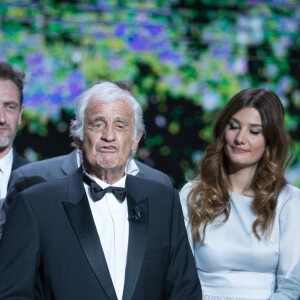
(78, 158)
(119, 183)
(132, 168)
(6, 162)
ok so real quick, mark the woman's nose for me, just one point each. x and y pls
(240, 138)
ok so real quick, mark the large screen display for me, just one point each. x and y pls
(186, 59)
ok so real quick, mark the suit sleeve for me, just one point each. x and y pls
(18, 182)
(19, 252)
(182, 278)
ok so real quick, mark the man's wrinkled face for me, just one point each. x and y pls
(10, 113)
(108, 132)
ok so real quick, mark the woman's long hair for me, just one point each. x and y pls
(209, 198)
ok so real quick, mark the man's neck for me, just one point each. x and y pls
(109, 176)
(5, 151)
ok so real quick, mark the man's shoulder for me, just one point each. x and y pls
(40, 171)
(18, 160)
(54, 186)
(42, 167)
(159, 195)
(147, 185)
(148, 172)
(147, 168)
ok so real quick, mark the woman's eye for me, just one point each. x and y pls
(233, 126)
(254, 132)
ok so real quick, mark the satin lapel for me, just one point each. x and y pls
(137, 236)
(81, 219)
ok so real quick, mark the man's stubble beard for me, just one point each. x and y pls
(6, 142)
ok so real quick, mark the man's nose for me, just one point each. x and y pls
(2, 115)
(108, 133)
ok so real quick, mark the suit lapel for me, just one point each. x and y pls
(18, 161)
(69, 164)
(80, 216)
(81, 219)
(138, 226)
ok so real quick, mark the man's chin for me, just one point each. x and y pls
(4, 143)
(109, 164)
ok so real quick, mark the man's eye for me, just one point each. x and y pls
(96, 126)
(120, 126)
(12, 107)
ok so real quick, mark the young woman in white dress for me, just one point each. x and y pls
(242, 217)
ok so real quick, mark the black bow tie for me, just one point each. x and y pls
(97, 193)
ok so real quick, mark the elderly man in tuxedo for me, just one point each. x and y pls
(99, 233)
(60, 166)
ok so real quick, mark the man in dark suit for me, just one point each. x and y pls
(60, 166)
(11, 100)
(99, 233)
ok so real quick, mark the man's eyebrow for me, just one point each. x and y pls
(121, 119)
(103, 118)
(10, 101)
(97, 118)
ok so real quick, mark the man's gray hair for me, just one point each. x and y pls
(106, 92)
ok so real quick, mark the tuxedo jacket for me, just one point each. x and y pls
(51, 250)
(60, 166)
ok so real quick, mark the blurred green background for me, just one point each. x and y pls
(186, 59)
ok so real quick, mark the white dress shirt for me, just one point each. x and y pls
(5, 167)
(111, 220)
(132, 168)
(5, 170)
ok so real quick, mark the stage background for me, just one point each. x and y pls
(186, 59)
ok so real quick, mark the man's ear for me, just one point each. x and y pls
(136, 142)
(20, 115)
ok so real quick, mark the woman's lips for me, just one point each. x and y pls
(239, 150)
